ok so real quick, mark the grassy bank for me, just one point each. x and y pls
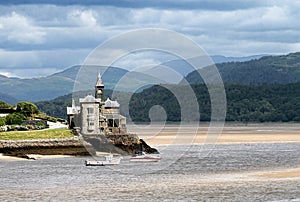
(36, 134)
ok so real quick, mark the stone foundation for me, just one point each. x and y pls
(20, 148)
(122, 144)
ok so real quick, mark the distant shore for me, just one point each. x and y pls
(231, 133)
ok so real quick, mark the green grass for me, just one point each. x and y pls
(36, 134)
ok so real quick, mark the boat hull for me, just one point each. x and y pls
(109, 161)
(144, 159)
(101, 163)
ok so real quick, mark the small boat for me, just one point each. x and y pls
(109, 160)
(141, 156)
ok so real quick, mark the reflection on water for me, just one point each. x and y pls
(215, 176)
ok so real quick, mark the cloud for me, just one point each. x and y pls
(27, 73)
(166, 4)
(57, 34)
(39, 63)
(15, 27)
(83, 18)
(7, 73)
(140, 59)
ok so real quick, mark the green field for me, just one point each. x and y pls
(36, 134)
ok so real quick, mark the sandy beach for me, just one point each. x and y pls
(31, 156)
(280, 174)
(231, 133)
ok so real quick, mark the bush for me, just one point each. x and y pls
(2, 121)
(45, 117)
(27, 108)
(14, 118)
(4, 105)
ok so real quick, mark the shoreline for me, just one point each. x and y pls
(4, 157)
(164, 135)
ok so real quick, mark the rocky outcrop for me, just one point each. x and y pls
(20, 148)
(122, 144)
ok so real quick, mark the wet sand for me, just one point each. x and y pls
(280, 174)
(231, 133)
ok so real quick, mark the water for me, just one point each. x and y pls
(186, 173)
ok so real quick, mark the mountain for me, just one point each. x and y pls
(281, 69)
(267, 69)
(8, 99)
(74, 78)
(173, 71)
(223, 59)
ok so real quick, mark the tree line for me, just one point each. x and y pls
(263, 103)
(245, 103)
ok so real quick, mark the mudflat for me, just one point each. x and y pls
(157, 134)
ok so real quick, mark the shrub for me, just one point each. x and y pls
(14, 118)
(27, 108)
(4, 105)
(2, 121)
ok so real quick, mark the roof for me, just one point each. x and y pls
(114, 116)
(73, 110)
(89, 99)
(111, 104)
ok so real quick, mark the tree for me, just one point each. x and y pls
(14, 118)
(2, 121)
(27, 108)
(4, 105)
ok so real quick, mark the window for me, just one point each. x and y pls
(90, 118)
(90, 110)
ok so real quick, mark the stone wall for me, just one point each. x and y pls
(126, 139)
(66, 146)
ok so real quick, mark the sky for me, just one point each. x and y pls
(39, 39)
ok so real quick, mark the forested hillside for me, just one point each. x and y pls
(263, 103)
(281, 69)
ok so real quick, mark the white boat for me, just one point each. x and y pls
(109, 160)
(141, 156)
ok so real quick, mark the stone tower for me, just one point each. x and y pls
(99, 89)
(89, 115)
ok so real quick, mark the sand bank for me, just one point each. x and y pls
(281, 173)
(255, 133)
(31, 156)
(10, 158)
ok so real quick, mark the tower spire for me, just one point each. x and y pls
(99, 88)
(99, 80)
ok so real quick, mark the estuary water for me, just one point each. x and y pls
(223, 172)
